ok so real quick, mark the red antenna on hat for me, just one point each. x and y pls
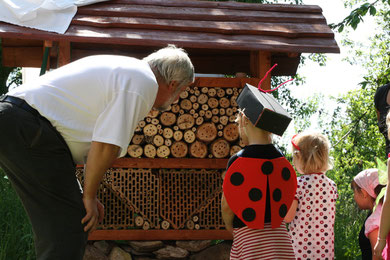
(266, 75)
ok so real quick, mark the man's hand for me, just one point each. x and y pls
(95, 214)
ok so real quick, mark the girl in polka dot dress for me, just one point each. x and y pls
(250, 243)
(312, 213)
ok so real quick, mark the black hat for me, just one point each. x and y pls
(263, 110)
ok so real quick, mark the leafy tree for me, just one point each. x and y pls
(5, 72)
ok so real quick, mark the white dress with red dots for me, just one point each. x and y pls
(312, 230)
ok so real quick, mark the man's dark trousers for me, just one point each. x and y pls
(39, 165)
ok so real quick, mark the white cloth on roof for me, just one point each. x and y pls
(46, 15)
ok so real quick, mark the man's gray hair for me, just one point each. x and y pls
(173, 64)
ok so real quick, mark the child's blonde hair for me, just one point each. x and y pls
(241, 116)
(311, 151)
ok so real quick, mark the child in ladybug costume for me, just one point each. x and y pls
(312, 214)
(260, 184)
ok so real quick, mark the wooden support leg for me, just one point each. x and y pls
(63, 53)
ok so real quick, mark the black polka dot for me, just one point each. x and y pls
(283, 210)
(236, 179)
(249, 214)
(286, 174)
(277, 195)
(267, 168)
(255, 194)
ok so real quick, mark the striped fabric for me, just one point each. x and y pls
(267, 243)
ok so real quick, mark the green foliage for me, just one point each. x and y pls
(356, 16)
(16, 237)
(8, 76)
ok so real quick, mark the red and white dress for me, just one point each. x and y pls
(312, 230)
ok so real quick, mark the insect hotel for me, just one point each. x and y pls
(170, 184)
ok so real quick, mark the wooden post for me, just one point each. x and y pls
(260, 64)
(63, 53)
(48, 44)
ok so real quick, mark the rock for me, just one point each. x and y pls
(92, 253)
(220, 251)
(143, 258)
(171, 252)
(119, 254)
(134, 252)
(146, 246)
(194, 246)
(103, 246)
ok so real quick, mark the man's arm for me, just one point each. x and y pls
(100, 158)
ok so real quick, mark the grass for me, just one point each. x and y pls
(16, 237)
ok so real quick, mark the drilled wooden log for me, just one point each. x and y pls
(142, 123)
(197, 226)
(224, 102)
(205, 107)
(167, 118)
(189, 136)
(165, 225)
(213, 103)
(205, 90)
(181, 111)
(230, 132)
(150, 130)
(190, 224)
(229, 111)
(167, 132)
(168, 142)
(148, 120)
(178, 135)
(184, 94)
(220, 126)
(198, 149)
(202, 113)
(137, 129)
(229, 91)
(232, 118)
(137, 139)
(139, 221)
(153, 113)
(158, 140)
(221, 111)
(199, 121)
(196, 115)
(186, 104)
(195, 218)
(221, 92)
(234, 149)
(192, 112)
(163, 151)
(202, 99)
(215, 111)
(193, 99)
(195, 106)
(155, 121)
(150, 151)
(135, 150)
(175, 108)
(175, 128)
(146, 226)
(179, 149)
(212, 92)
(224, 120)
(220, 148)
(197, 92)
(233, 101)
(185, 121)
(220, 133)
(215, 119)
(206, 132)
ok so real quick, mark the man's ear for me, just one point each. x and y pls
(173, 85)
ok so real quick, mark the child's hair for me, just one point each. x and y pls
(377, 189)
(311, 150)
(241, 116)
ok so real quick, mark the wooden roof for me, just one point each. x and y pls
(220, 37)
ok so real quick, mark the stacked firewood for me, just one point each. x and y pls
(200, 125)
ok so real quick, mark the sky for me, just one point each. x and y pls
(338, 76)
